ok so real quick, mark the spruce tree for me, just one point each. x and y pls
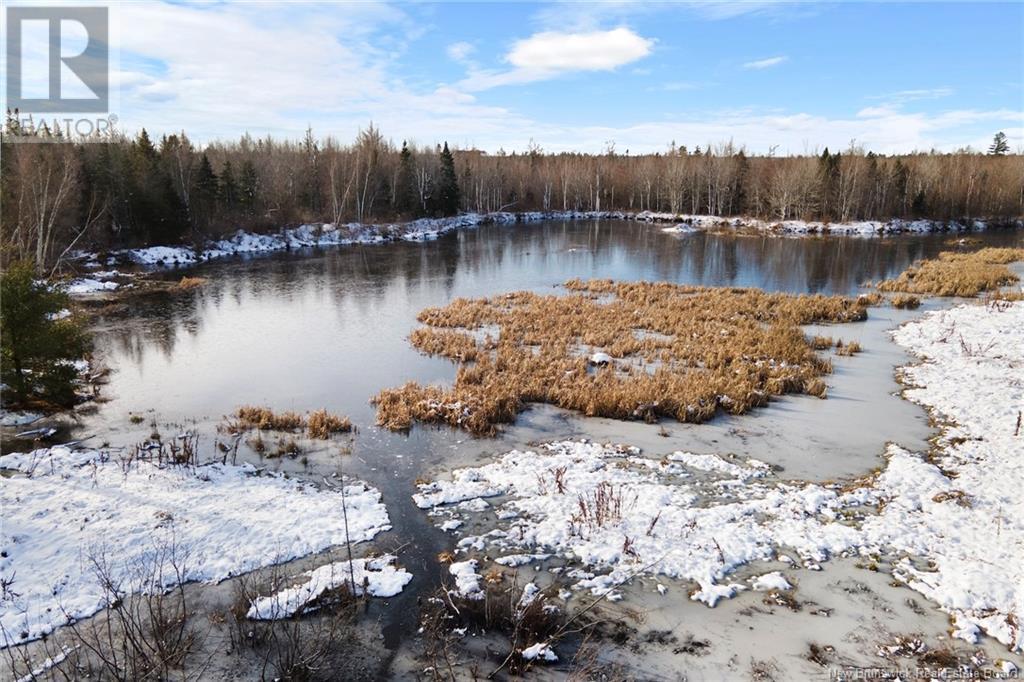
(1000, 147)
(448, 201)
(248, 186)
(405, 189)
(205, 192)
(38, 347)
(228, 188)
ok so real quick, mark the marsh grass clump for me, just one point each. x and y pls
(186, 283)
(675, 351)
(821, 342)
(321, 424)
(847, 348)
(265, 419)
(905, 301)
(958, 274)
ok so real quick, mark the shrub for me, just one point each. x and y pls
(38, 347)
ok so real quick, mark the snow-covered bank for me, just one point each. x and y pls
(952, 528)
(963, 511)
(863, 228)
(424, 229)
(66, 510)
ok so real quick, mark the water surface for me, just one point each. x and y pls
(328, 329)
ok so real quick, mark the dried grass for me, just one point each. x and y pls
(847, 348)
(321, 424)
(265, 419)
(906, 301)
(680, 352)
(958, 274)
(187, 283)
(822, 342)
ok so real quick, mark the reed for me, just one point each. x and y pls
(677, 351)
(958, 274)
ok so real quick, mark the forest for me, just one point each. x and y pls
(59, 195)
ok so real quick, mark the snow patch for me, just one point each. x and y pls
(217, 520)
(377, 577)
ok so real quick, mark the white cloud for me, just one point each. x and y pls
(765, 63)
(548, 54)
(592, 51)
(459, 51)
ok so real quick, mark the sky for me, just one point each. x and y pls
(774, 77)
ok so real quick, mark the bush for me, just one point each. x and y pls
(38, 347)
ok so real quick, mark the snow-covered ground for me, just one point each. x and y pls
(66, 510)
(424, 229)
(964, 510)
(951, 527)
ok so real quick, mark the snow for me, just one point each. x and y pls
(862, 228)
(952, 524)
(18, 418)
(972, 380)
(541, 651)
(668, 531)
(379, 576)
(67, 507)
(467, 580)
(88, 285)
(771, 581)
(48, 664)
(515, 560)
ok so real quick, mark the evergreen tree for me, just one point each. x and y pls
(228, 188)
(448, 199)
(1000, 146)
(153, 208)
(738, 200)
(204, 194)
(37, 351)
(405, 183)
(828, 177)
(248, 186)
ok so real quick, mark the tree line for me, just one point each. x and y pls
(131, 191)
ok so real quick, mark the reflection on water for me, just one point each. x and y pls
(328, 329)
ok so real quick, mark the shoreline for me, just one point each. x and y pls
(313, 235)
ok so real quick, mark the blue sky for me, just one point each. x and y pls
(893, 76)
